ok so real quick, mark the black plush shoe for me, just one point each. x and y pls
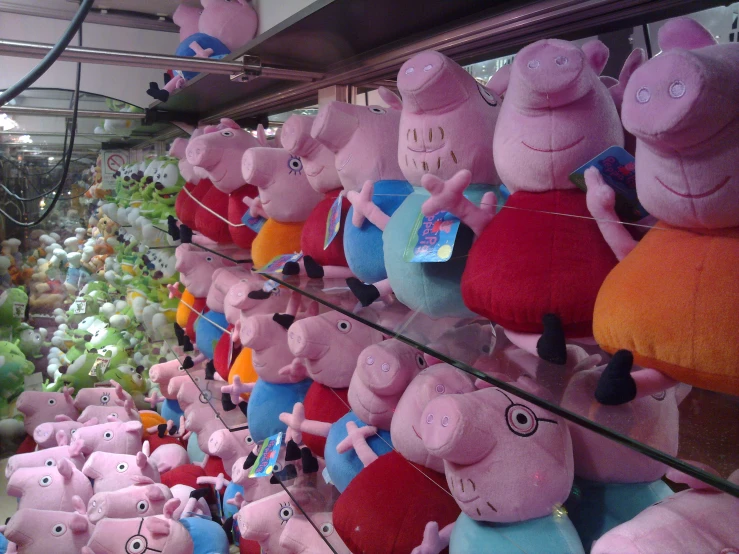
(616, 386)
(185, 234)
(551, 346)
(366, 294)
(226, 402)
(291, 268)
(313, 269)
(172, 228)
(284, 319)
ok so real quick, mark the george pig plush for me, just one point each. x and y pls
(286, 199)
(386, 507)
(111, 472)
(140, 500)
(319, 165)
(43, 407)
(700, 519)
(614, 483)
(48, 457)
(120, 437)
(208, 537)
(218, 152)
(328, 346)
(101, 396)
(49, 488)
(509, 467)
(537, 265)
(42, 531)
(364, 140)
(659, 308)
(47, 435)
(447, 121)
(299, 536)
(162, 534)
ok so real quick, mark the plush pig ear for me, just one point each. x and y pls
(694, 483)
(65, 468)
(141, 460)
(141, 480)
(79, 505)
(157, 526)
(597, 55)
(609, 82)
(154, 494)
(390, 98)
(60, 417)
(68, 393)
(498, 83)
(229, 123)
(632, 63)
(146, 449)
(133, 427)
(261, 135)
(683, 32)
(90, 422)
(78, 524)
(170, 507)
(120, 393)
(128, 406)
(61, 438)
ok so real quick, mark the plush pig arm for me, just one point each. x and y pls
(298, 424)
(199, 51)
(601, 200)
(434, 541)
(236, 389)
(449, 196)
(364, 208)
(255, 207)
(357, 439)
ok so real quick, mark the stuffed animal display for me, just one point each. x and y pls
(264, 345)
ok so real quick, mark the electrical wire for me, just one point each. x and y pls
(41, 195)
(51, 56)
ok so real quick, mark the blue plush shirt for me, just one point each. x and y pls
(207, 334)
(207, 536)
(268, 401)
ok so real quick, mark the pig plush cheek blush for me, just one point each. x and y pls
(42, 531)
(509, 466)
(682, 107)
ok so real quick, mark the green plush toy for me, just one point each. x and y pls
(13, 303)
(13, 368)
(31, 341)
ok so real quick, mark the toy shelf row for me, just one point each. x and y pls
(708, 421)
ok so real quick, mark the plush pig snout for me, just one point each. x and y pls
(97, 509)
(388, 368)
(257, 168)
(419, 82)
(453, 429)
(296, 137)
(202, 154)
(255, 332)
(14, 530)
(303, 340)
(334, 126)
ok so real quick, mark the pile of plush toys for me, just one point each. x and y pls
(177, 361)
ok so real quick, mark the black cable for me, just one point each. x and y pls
(42, 195)
(43, 66)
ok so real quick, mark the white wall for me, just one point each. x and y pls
(125, 83)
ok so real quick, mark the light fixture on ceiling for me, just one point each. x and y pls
(6, 123)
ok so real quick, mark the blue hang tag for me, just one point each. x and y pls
(267, 458)
(270, 286)
(276, 264)
(616, 166)
(255, 223)
(333, 221)
(432, 238)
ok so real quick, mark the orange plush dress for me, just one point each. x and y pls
(244, 368)
(275, 239)
(674, 303)
(183, 308)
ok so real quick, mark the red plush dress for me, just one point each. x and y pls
(185, 207)
(527, 263)
(241, 235)
(314, 233)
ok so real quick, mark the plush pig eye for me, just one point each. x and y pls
(327, 529)
(343, 326)
(277, 467)
(521, 420)
(121, 467)
(643, 95)
(50, 462)
(488, 96)
(660, 396)
(249, 440)
(45, 481)
(136, 545)
(104, 399)
(227, 133)
(286, 512)
(440, 388)
(142, 506)
(295, 165)
(58, 530)
(377, 110)
(420, 361)
(208, 259)
(137, 379)
(52, 401)
(108, 435)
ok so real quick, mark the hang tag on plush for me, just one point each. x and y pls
(333, 221)
(267, 458)
(99, 367)
(79, 306)
(617, 167)
(277, 263)
(33, 382)
(271, 286)
(432, 238)
(254, 222)
(19, 310)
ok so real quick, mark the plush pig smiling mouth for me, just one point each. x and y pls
(698, 195)
(578, 141)
(427, 149)
(309, 174)
(344, 163)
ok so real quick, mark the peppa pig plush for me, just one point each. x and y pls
(660, 307)
(101, 396)
(48, 457)
(537, 265)
(35, 531)
(139, 500)
(47, 435)
(185, 205)
(446, 124)
(49, 488)
(509, 467)
(120, 437)
(318, 259)
(364, 140)
(43, 407)
(285, 198)
(299, 537)
(111, 472)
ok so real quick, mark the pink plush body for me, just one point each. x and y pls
(300, 537)
(229, 446)
(268, 342)
(257, 488)
(37, 531)
(318, 161)
(49, 488)
(114, 436)
(111, 472)
(43, 407)
(100, 396)
(223, 280)
(102, 413)
(169, 456)
(155, 533)
(382, 373)
(196, 267)
(238, 301)
(186, 18)
(233, 23)
(163, 373)
(133, 501)
(45, 435)
(178, 381)
(46, 458)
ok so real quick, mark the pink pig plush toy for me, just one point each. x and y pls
(113, 436)
(49, 488)
(44, 531)
(43, 407)
(48, 457)
(660, 307)
(111, 472)
(139, 500)
(299, 537)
